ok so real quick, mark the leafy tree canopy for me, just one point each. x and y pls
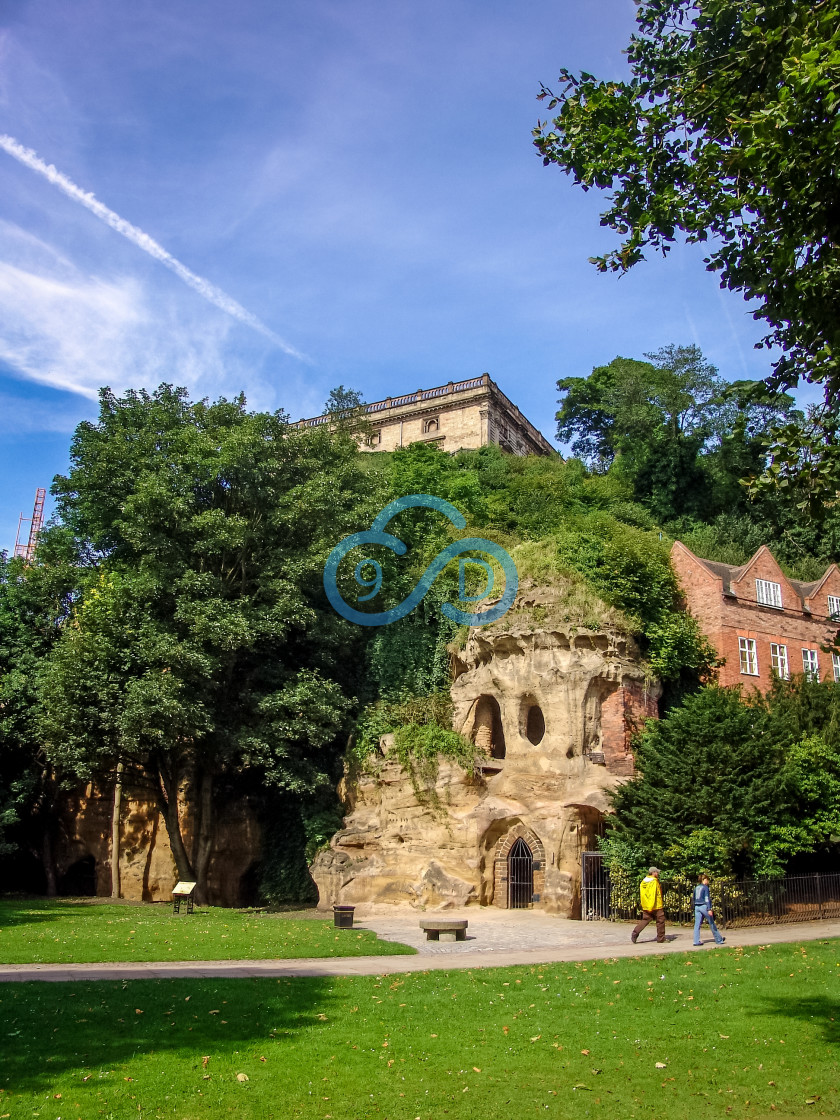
(681, 435)
(734, 784)
(726, 132)
(200, 643)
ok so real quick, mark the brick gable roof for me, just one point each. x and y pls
(731, 573)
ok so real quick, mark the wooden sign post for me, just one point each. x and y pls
(183, 892)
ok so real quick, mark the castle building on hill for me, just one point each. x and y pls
(760, 621)
(459, 416)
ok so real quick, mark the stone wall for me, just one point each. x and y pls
(554, 711)
(147, 869)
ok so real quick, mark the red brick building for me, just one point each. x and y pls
(759, 620)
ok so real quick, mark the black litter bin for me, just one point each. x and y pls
(343, 917)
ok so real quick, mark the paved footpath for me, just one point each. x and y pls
(496, 939)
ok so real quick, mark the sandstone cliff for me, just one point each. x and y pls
(553, 708)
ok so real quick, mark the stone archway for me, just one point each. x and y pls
(501, 856)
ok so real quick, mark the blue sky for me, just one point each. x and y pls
(357, 175)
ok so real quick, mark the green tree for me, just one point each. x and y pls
(681, 436)
(726, 133)
(651, 420)
(733, 783)
(35, 601)
(706, 783)
(613, 411)
(201, 643)
(347, 412)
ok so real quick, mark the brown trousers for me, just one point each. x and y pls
(647, 917)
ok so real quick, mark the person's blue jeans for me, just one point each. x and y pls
(701, 912)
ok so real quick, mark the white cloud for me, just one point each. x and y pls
(75, 331)
(142, 240)
(70, 334)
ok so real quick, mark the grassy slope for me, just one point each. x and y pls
(738, 1032)
(61, 932)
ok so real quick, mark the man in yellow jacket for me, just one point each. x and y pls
(653, 906)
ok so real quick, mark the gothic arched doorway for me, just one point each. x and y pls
(520, 876)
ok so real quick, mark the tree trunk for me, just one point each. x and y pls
(167, 794)
(115, 832)
(48, 860)
(47, 811)
(204, 837)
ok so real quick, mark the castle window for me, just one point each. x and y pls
(375, 438)
(749, 656)
(811, 664)
(779, 661)
(432, 425)
(767, 593)
(834, 606)
(835, 661)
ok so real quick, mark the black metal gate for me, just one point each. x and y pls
(520, 876)
(594, 888)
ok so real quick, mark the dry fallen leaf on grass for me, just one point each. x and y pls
(661, 1065)
(242, 1077)
(584, 1051)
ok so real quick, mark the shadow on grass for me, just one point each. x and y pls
(34, 911)
(87, 1032)
(818, 1011)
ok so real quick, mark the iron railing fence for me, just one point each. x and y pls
(736, 904)
(794, 898)
(595, 898)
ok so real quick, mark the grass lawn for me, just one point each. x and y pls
(36, 932)
(742, 1033)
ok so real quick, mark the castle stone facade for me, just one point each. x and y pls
(461, 415)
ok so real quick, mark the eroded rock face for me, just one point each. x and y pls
(553, 711)
(147, 869)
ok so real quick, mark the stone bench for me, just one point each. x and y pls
(439, 929)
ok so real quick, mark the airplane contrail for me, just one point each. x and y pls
(142, 240)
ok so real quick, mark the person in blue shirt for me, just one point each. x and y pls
(702, 900)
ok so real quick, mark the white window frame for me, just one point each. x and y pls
(835, 661)
(834, 606)
(779, 660)
(811, 664)
(748, 654)
(768, 593)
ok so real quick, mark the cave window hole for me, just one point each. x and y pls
(488, 733)
(535, 725)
